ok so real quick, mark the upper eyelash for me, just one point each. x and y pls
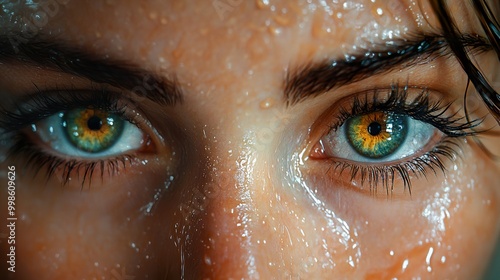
(44, 104)
(420, 108)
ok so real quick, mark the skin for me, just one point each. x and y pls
(234, 189)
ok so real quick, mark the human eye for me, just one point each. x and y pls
(77, 133)
(386, 136)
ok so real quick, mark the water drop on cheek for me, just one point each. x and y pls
(267, 103)
(262, 4)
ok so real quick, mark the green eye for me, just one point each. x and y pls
(91, 133)
(377, 135)
(92, 130)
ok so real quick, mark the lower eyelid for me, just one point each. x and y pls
(435, 140)
(387, 179)
(72, 173)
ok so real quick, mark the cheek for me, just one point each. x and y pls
(94, 231)
(444, 228)
(447, 231)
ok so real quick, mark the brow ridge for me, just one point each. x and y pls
(68, 58)
(316, 78)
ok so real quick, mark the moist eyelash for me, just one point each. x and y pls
(385, 175)
(36, 159)
(45, 104)
(420, 108)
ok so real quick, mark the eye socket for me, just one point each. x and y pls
(387, 137)
(376, 137)
(83, 134)
(90, 133)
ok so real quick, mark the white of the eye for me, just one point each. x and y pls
(419, 134)
(51, 132)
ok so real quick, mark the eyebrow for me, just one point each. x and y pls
(63, 57)
(314, 79)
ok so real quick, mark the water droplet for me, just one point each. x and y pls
(267, 103)
(261, 4)
(405, 264)
(153, 15)
(428, 259)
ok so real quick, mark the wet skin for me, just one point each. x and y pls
(233, 186)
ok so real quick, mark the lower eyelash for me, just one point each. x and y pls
(447, 149)
(36, 159)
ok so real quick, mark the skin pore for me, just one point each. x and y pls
(234, 184)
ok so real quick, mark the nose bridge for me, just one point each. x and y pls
(236, 193)
(231, 218)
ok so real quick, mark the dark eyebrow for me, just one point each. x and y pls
(59, 56)
(313, 79)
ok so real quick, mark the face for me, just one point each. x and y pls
(243, 139)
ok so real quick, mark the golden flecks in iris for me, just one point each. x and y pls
(361, 130)
(378, 134)
(88, 134)
(93, 130)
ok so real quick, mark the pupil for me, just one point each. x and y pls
(94, 123)
(374, 128)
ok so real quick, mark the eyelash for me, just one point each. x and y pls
(47, 103)
(421, 108)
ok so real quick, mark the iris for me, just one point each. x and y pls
(92, 130)
(377, 135)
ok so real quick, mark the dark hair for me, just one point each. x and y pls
(451, 33)
(492, 30)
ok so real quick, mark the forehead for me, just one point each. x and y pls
(196, 36)
(366, 19)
